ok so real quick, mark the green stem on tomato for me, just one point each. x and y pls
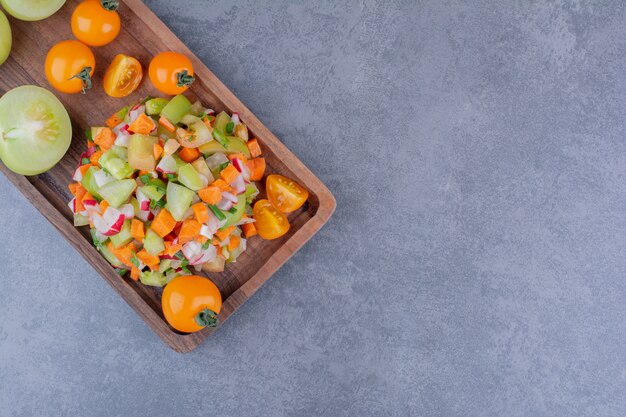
(184, 79)
(207, 318)
(110, 5)
(85, 76)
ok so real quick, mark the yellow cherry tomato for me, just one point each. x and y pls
(123, 76)
(191, 303)
(270, 223)
(171, 73)
(285, 194)
(69, 67)
(96, 22)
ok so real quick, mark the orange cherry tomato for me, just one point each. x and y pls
(191, 303)
(285, 194)
(96, 22)
(270, 223)
(69, 67)
(171, 73)
(123, 76)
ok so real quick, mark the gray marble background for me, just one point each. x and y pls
(476, 262)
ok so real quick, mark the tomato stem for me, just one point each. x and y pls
(110, 5)
(184, 79)
(207, 318)
(85, 77)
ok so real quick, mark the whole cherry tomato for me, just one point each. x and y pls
(171, 73)
(191, 303)
(270, 223)
(96, 22)
(286, 195)
(69, 67)
(123, 76)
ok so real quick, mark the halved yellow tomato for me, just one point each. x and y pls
(285, 194)
(270, 223)
(123, 76)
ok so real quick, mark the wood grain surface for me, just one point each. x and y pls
(144, 35)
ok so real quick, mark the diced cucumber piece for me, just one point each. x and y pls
(112, 259)
(153, 243)
(123, 112)
(178, 200)
(123, 237)
(240, 208)
(113, 162)
(117, 193)
(201, 166)
(221, 120)
(89, 182)
(235, 145)
(251, 192)
(165, 265)
(141, 152)
(200, 131)
(155, 106)
(189, 177)
(154, 189)
(176, 109)
(80, 220)
(153, 278)
(189, 119)
(179, 162)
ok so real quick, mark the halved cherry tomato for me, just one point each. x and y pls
(171, 73)
(69, 67)
(270, 223)
(285, 194)
(123, 76)
(96, 22)
(191, 303)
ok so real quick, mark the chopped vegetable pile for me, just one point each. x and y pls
(168, 185)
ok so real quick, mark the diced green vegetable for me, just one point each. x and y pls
(176, 109)
(89, 182)
(218, 213)
(123, 237)
(189, 177)
(237, 214)
(80, 220)
(155, 106)
(178, 200)
(153, 278)
(112, 259)
(153, 243)
(123, 112)
(164, 265)
(114, 161)
(235, 145)
(221, 121)
(117, 193)
(154, 189)
(141, 152)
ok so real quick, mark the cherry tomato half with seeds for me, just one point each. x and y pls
(285, 194)
(190, 303)
(171, 73)
(123, 76)
(69, 67)
(96, 22)
(270, 223)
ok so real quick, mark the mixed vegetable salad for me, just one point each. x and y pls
(167, 186)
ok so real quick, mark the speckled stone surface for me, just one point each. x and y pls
(475, 265)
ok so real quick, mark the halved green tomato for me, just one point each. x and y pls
(32, 10)
(35, 130)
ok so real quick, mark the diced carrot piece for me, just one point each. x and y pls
(257, 168)
(95, 157)
(163, 223)
(84, 168)
(249, 230)
(201, 212)
(189, 231)
(171, 249)
(134, 273)
(104, 205)
(73, 187)
(223, 234)
(189, 154)
(137, 230)
(239, 156)
(142, 125)
(80, 193)
(157, 150)
(123, 254)
(202, 239)
(210, 195)
(105, 138)
(229, 174)
(167, 124)
(254, 148)
(234, 242)
(150, 260)
(222, 186)
(113, 121)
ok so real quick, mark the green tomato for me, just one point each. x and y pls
(32, 10)
(6, 40)
(35, 130)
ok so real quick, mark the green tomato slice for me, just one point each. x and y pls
(31, 10)
(35, 130)
(6, 40)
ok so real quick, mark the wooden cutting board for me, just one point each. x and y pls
(144, 35)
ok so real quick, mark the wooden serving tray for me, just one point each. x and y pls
(144, 35)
